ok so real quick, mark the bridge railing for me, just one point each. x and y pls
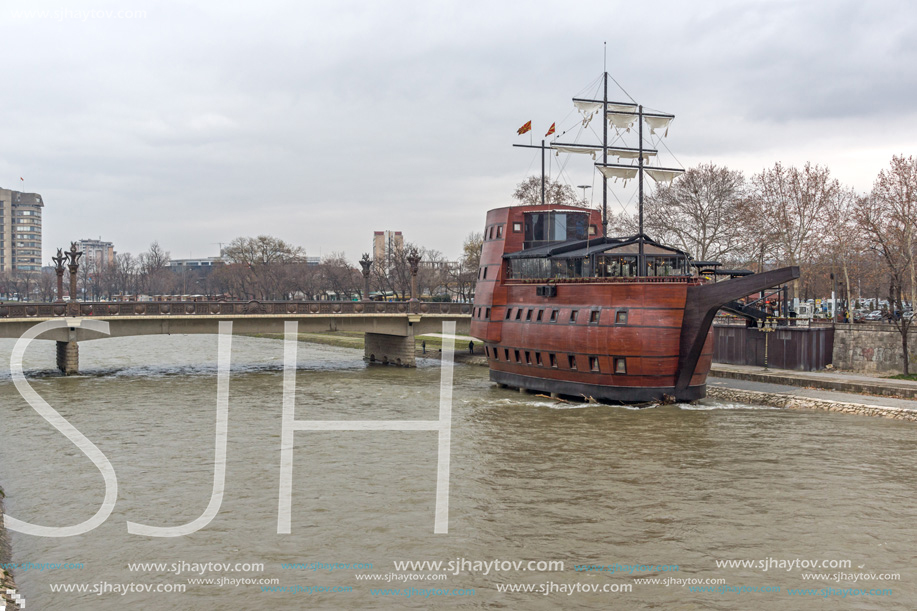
(234, 308)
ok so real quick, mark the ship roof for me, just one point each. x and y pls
(575, 249)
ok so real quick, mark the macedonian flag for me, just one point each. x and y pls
(525, 128)
(550, 131)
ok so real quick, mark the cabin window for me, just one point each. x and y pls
(594, 316)
(487, 351)
(485, 273)
(621, 317)
(491, 235)
(594, 363)
(554, 315)
(528, 314)
(541, 227)
(477, 312)
(499, 231)
(516, 355)
(608, 266)
(518, 313)
(540, 312)
(573, 314)
(517, 227)
(528, 357)
(593, 230)
(664, 266)
(487, 314)
(506, 354)
(552, 358)
(571, 360)
(509, 312)
(620, 365)
(538, 359)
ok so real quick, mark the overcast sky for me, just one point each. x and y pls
(320, 122)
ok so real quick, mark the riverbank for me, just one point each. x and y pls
(794, 401)
(6, 557)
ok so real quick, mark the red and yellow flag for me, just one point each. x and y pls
(525, 128)
(550, 131)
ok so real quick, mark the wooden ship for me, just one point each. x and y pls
(563, 308)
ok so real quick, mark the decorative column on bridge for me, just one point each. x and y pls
(59, 268)
(74, 255)
(366, 263)
(68, 353)
(414, 261)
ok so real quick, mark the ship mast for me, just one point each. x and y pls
(605, 156)
(641, 258)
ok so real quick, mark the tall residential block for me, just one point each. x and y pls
(102, 254)
(386, 246)
(20, 231)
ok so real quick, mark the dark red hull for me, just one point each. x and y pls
(629, 339)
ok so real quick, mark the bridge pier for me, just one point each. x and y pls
(68, 358)
(385, 349)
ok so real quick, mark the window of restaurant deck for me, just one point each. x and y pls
(665, 266)
(520, 269)
(545, 227)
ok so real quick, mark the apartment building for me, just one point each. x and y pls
(20, 231)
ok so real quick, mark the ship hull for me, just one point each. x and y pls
(608, 341)
(627, 339)
(599, 392)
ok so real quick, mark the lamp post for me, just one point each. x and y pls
(59, 269)
(74, 255)
(584, 187)
(366, 263)
(767, 327)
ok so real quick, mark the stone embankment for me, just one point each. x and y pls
(796, 402)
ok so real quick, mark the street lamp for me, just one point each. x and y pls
(584, 187)
(767, 327)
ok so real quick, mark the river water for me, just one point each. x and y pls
(532, 480)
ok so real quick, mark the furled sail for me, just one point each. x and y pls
(582, 149)
(658, 123)
(631, 153)
(622, 107)
(617, 172)
(663, 175)
(587, 109)
(622, 120)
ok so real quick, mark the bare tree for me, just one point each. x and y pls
(794, 202)
(842, 236)
(528, 192)
(702, 212)
(888, 216)
(47, 285)
(340, 277)
(155, 278)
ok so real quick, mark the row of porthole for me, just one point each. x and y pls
(525, 357)
(594, 315)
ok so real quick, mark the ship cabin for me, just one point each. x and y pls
(562, 245)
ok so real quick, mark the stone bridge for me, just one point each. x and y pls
(389, 327)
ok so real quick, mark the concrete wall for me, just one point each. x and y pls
(389, 349)
(872, 348)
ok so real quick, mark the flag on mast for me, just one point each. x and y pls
(525, 128)
(550, 131)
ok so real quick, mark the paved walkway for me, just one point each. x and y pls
(847, 383)
(811, 393)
